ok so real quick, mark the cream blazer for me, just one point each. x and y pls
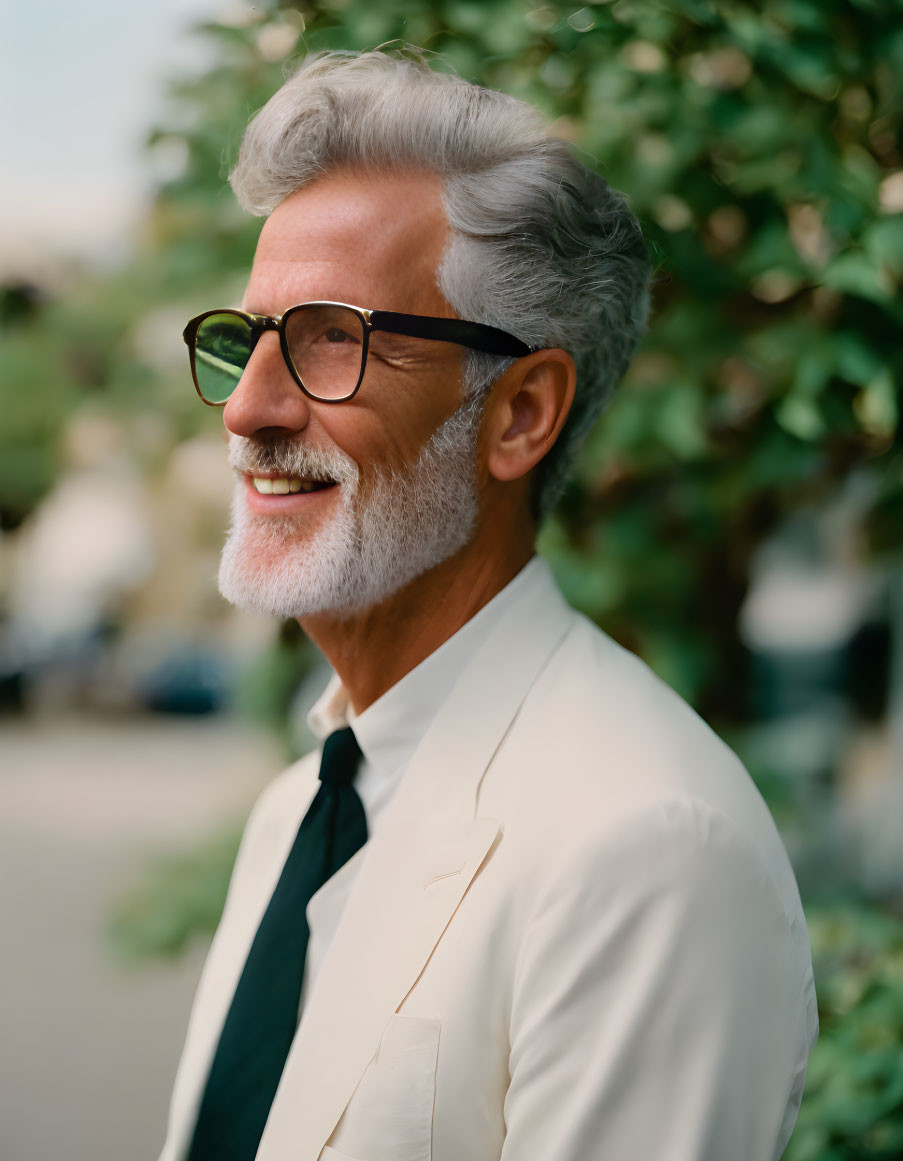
(576, 935)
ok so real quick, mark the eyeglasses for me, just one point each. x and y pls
(324, 345)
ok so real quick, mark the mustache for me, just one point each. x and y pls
(290, 458)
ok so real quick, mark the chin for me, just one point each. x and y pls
(273, 565)
(372, 544)
(354, 561)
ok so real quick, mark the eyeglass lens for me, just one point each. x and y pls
(325, 344)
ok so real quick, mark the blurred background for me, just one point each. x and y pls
(735, 518)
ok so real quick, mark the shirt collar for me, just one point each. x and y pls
(390, 730)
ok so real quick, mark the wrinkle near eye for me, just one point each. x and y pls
(399, 351)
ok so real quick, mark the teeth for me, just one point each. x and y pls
(281, 485)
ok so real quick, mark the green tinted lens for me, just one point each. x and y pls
(223, 346)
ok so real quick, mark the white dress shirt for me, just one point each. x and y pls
(388, 733)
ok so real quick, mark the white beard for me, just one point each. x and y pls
(409, 521)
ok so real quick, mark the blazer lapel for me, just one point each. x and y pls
(416, 871)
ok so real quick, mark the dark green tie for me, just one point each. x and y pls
(261, 1022)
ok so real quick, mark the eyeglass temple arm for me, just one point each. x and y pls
(477, 336)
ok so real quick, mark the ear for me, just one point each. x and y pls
(526, 412)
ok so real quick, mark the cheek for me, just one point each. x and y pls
(385, 440)
(432, 399)
(395, 413)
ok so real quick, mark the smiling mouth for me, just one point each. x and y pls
(283, 485)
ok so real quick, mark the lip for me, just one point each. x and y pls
(279, 505)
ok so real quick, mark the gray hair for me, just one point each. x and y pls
(541, 246)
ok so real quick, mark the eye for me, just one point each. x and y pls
(337, 335)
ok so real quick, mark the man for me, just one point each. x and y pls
(535, 908)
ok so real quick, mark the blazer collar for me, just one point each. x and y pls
(390, 730)
(415, 873)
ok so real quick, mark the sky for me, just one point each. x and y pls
(80, 84)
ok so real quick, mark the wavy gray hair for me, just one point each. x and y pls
(541, 246)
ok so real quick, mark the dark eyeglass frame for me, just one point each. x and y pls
(475, 336)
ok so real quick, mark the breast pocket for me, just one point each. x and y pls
(390, 1116)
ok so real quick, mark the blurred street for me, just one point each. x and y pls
(90, 1045)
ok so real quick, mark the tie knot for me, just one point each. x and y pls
(341, 756)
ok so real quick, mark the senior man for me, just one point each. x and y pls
(523, 904)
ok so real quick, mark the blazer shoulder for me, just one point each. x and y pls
(607, 780)
(601, 744)
(604, 712)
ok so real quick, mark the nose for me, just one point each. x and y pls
(267, 402)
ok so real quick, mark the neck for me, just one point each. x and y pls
(373, 649)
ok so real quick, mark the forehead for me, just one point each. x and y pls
(374, 241)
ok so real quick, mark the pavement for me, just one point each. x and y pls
(89, 1045)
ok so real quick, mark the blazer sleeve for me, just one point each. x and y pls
(663, 1005)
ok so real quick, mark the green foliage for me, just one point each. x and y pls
(179, 899)
(268, 686)
(30, 434)
(853, 1105)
